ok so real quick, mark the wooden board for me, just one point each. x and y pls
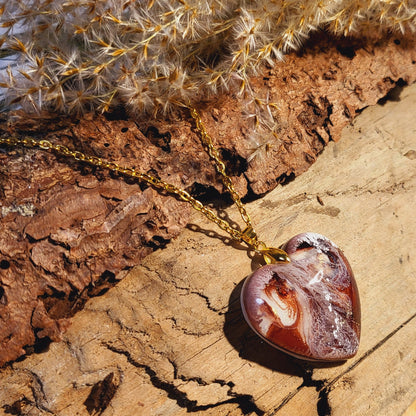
(170, 338)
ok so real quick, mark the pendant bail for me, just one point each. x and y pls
(270, 254)
(273, 255)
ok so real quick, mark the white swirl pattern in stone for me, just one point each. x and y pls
(309, 307)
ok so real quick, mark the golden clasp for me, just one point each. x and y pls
(274, 255)
(270, 254)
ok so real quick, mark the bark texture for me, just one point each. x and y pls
(69, 232)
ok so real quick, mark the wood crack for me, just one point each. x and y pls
(188, 291)
(370, 351)
(39, 393)
(322, 406)
(245, 402)
(101, 395)
(324, 387)
(356, 191)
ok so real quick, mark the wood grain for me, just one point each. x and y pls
(170, 339)
(410, 411)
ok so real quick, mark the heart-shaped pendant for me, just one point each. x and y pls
(309, 307)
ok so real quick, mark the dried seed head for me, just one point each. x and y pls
(77, 55)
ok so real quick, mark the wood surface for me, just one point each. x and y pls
(411, 411)
(170, 339)
(70, 231)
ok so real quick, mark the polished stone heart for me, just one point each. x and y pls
(309, 307)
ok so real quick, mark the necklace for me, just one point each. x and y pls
(304, 301)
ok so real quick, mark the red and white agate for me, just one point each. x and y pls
(309, 307)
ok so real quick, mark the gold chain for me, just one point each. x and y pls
(248, 235)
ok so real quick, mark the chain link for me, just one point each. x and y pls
(214, 154)
(114, 167)
(248, 235)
